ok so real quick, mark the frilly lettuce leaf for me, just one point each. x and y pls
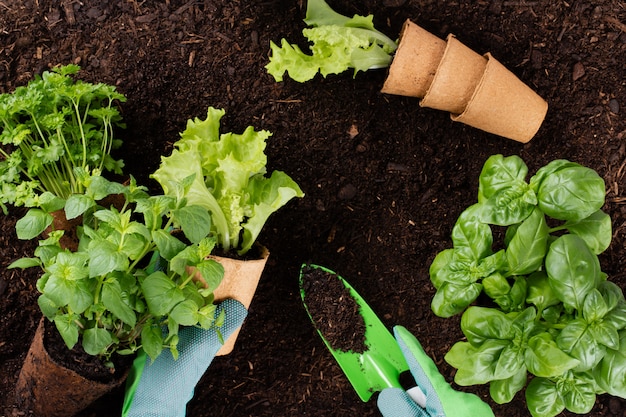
(338, 43)
(228, 179)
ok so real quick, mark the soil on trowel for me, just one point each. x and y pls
(335, 313)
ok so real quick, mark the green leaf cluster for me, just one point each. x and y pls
(49, 128)
(226, 175)
(140, 272)
(545, 307)
(337, 44)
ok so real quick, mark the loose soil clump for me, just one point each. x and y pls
(334, 312)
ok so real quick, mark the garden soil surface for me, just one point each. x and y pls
(384, 179)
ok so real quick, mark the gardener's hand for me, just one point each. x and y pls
(438, 399)
(162, 388)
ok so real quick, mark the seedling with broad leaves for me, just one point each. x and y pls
(131, 282)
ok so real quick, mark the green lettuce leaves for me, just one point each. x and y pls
(225, 174)
(337, 44)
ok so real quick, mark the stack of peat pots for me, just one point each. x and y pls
(476, 89)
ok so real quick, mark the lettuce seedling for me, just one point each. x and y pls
(131, 277)
(226, 173)
(51, 127)
(547, 309)
(338, 44)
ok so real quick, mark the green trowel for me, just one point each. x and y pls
(382, 364)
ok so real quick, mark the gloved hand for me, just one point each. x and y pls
(164, 387)
(439, 399)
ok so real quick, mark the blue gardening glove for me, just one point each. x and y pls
(164, 387)
(438, 399)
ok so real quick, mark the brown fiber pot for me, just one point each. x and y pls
(50, 390)
(241, 278)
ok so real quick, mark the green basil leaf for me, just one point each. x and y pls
(168, 245)
(502, 391)
(540, 292)
(578, 393)
(68, 329)
(610, 374)
(480, 324)
(571, 193)
(48, 307)
(577, 340)
(212, 273)
(32, 224)
(573, 270)
(113, 301)
(543, 398)
(195, 221)
(595, 230)
(611, 293)
(545, 359)
(78, 204)
(185, 313)
(605, 333)
(499, 173)
(471, 238)
(152, 340)
(104, 257)
(495, 285)
(509, 206)
(452, 299)
(24, 263)
(617, 316)
(549, 169)
(161, 293)
(527, 249)
(96, 340)
(475, 365)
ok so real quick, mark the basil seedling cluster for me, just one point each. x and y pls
(545, 306)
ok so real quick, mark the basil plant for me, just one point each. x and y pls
(132, 282)
(536, 302)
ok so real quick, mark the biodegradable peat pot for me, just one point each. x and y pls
(456, 78)
(241, 278)
(51, 390)
(503, 105)
(415, 62)
(476, 89)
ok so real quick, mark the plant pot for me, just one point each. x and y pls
(49, 389)
(476, 89)
(504, 105)
(456, 78)
(415, 62)
(241, 278)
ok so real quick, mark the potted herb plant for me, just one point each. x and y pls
(128, 280)
(535, 303)
(476, 89)
(227, 175)
(53, 130)
(49, 128)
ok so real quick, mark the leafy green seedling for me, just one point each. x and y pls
(131, 276)
(51, 127)
(551, 311)
(338, 44)
(229, 179)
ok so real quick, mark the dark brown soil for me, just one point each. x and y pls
(384, 179)
(333, 310)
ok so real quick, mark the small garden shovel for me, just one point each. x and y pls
(382, 364)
